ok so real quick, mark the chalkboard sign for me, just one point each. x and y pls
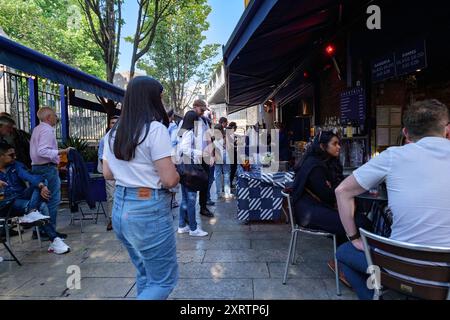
(353, 106)
(383, 68)
(411, 58)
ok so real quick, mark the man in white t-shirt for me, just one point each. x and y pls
(416, 177)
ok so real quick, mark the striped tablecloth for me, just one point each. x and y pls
(259, 195)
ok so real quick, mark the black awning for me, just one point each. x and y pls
(270, 41)
(22, 58)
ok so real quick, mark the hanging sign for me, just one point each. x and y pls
(404, 60)
(411, 58)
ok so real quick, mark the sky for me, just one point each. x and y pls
(223, 18)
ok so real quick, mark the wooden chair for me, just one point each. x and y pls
(414, 270)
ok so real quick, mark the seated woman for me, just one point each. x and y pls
(317, 176)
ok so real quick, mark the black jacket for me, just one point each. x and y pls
(316, 173)
(78, 181)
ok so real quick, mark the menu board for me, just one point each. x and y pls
(353, 106)
(411, 58)
(404, 60)
(383, 68)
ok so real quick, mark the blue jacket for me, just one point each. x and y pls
(15, 176)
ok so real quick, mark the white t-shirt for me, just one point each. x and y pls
(418, 184)
(140, 171)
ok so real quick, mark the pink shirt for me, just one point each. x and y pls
(43, 145)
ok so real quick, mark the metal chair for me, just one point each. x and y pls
(295, 229)
(5, 213)
(8, 221)
(414, 270)
(98, 192)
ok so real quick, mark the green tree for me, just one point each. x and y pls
(150, 14)
(55, 28)
(178, 57)
(105, 23)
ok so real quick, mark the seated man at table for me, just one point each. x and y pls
(416, 176)
(28, 200)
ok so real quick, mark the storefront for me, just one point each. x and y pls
(316, 65)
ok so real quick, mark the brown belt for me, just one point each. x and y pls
(312, 195)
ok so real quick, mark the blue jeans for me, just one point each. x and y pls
(29, 200)
(187, 208)
(50, 173)
(143, 223)
(354, 265)
(33, 199)
(225, 168)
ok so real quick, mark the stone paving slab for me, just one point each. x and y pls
(102, 288)
(293, 289)
(184, 244)
(213, 289)
(306, 269)
(224, 270)
(248, 255)
(235, 261)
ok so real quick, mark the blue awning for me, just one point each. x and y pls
(269, 43)
(17, 56)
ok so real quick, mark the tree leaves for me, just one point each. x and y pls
(42, 25)
(178, 57)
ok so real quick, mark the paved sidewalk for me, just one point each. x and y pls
(235, 261)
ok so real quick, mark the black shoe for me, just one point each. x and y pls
(210, 203)
(205, 212)
(61, 235)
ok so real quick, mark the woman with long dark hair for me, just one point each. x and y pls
(138, 157)
(317, 176)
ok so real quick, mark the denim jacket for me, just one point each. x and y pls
(15, 176)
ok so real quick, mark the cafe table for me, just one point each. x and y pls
(379, 212)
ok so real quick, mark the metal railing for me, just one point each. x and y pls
(14, 99)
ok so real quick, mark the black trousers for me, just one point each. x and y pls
(203, 192)
(310, 213)
(233, 172)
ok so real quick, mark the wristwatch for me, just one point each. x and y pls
(354, 237)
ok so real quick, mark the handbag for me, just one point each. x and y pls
(192, 175)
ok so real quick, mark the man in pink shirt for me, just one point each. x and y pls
(44, 155)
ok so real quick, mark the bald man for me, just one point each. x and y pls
(44, 155)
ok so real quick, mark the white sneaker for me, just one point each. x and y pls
(58, 246)
(185, 229)
(32, 216)
(228, 196)
(198, 233)
(1, 259)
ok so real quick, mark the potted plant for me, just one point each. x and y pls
(90, 157)
(88, 153)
